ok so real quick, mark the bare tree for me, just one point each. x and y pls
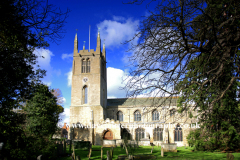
(60, 101)
(58, 94)
(45, 20)
(175, 34)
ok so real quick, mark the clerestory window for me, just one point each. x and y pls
(120, 116)
(155, 115)
(137, 116)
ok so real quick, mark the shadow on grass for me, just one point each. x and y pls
(183, 154)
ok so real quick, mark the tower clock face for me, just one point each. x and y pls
(85, 79)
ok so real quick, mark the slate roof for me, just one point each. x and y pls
(164, 101)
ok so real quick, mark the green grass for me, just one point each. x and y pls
(184, 154)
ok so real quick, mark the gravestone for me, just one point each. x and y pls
(126, 149)
(162, 152)
(78, 158)
(73, 155)
(40, 157)
(108, 156)
(83, 145)
(70, 147)
(90, 151)
(64, 146)
(60, 149)
(152, 149)
(112, 152)
(101, 153)
(122, 157)
(230, 156)
(73, 145)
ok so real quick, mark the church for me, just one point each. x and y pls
(103, 121)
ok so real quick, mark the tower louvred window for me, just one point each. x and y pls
(83, 66)
(86, 65)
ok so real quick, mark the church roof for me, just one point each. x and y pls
(163, 101)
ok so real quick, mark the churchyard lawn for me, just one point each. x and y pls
(183, 154)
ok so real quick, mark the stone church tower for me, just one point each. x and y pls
(108, 122)
(89, 87)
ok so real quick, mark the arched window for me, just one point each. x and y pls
(139, 133)
(158, 134)
(155, 115)
(86, 66)
(120, 116)
(85, 95)
(178, 133)
(137, 116)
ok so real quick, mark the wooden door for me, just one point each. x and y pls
(108, 135)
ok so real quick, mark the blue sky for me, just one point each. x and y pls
(118, 22)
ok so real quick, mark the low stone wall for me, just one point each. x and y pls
(144, 142)
(81, 144)
(157, 143)
(169, 147)
(119, 142)
(109, 143)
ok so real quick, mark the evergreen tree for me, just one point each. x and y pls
(220, 125)
(24, 26)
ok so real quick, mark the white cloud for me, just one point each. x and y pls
(118, 30)
(114, 82)
(67, 56)
(69, 77)
(117, 79)
(64, 100)
(64, 117)
(43, 60)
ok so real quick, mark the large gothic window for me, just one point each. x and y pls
(86, 66)
(155, 115)
(139, 132)
(178, 133)
(120, 116)
(137, 116)
(85, 95)
(158, 134)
